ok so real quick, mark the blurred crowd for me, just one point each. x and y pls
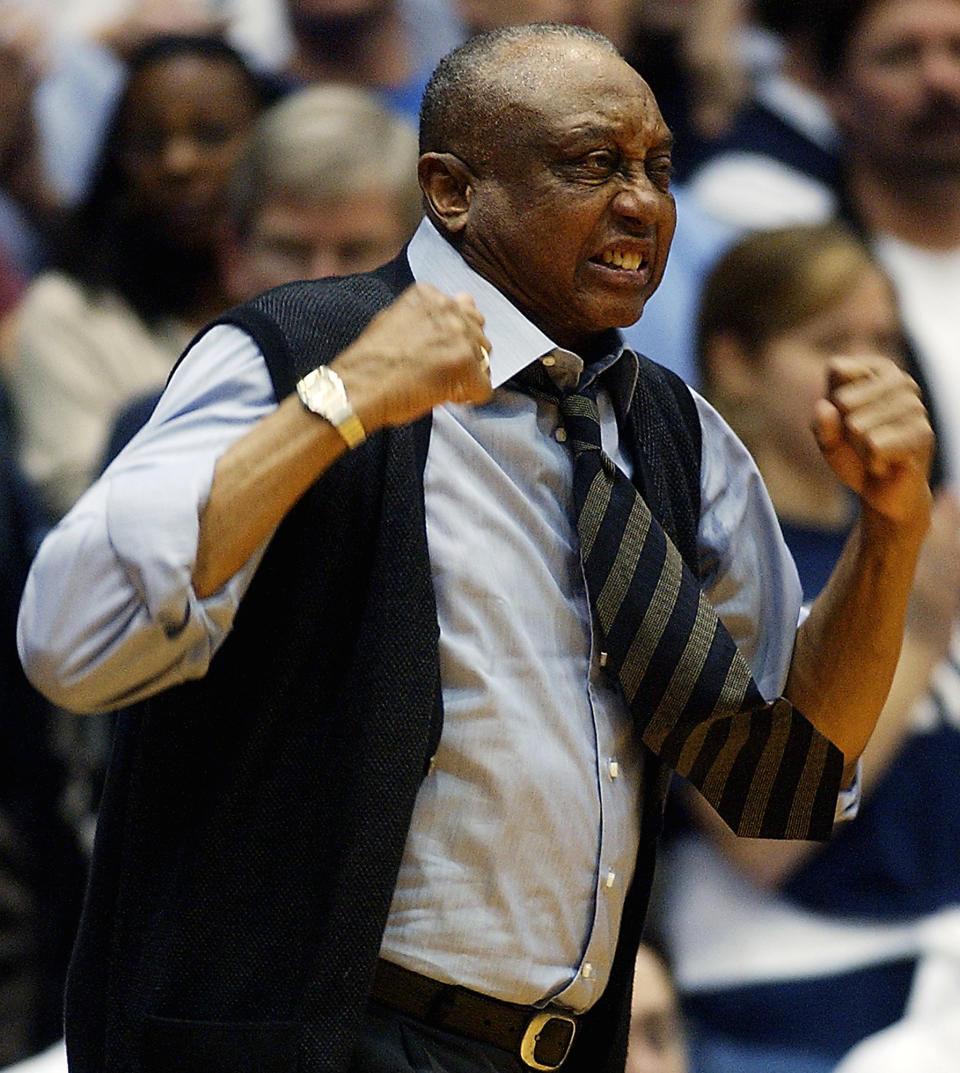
(163, 160)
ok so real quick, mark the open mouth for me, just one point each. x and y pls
(620, 266)
(625, 260)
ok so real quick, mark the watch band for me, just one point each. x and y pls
(322, 392)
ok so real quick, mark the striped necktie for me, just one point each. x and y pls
(762, 765)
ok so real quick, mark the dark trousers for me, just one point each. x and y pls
(390, 1042)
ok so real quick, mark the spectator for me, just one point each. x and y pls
(774, 310)
(889, 74)
(892, 79)
(136, 273)
(777, 163)
(810, 950)
(379, 44)
(41, 864)
(80, 61)
(306, 201)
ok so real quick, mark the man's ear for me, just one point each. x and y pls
(447, 185)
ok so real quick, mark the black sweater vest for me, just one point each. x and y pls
(253, 821)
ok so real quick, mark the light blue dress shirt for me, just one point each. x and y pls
(525, 831)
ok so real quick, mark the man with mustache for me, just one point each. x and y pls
(413, 685)
(891, 72)
(886, 74)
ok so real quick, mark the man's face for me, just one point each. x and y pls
(897, 96)
(293, 237)
(570, 213)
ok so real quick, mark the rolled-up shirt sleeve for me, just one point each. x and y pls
(109, 614)
(746, 567)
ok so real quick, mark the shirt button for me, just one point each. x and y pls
(611, 878)
(614, 768)
(561, 435)
(549, 361)
(587, 971)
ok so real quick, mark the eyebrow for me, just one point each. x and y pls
(596, 131)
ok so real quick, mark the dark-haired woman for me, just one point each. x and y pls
(136, 271)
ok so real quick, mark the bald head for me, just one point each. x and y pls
(545, 162)
(468, 100)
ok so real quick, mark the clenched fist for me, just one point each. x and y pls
(873, 430)
(425, 349)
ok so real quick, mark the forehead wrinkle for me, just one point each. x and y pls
(531, 123)
(613, 95)
(534, 68)
(518, 83)
(593, 129)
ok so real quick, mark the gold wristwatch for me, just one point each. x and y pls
(322, 392)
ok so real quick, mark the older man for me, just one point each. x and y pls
(305, 200)
(418, 654)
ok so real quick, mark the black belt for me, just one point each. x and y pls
(542, 1038)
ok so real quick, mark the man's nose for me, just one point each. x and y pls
(639, 198)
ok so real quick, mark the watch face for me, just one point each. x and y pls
(325, 393)
(322, 392)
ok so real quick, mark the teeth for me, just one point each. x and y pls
(630, 261)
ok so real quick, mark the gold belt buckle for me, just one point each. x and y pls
(547, 1040)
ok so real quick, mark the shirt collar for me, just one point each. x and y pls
(515, 340)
